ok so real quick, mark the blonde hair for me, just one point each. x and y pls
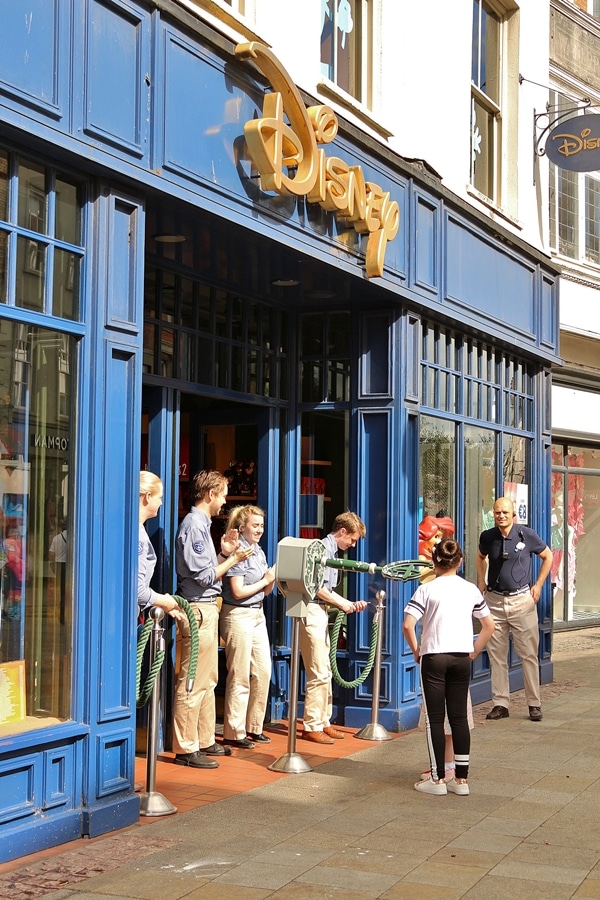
(149, 482)
(240, 515)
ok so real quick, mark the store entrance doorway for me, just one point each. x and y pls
(182, 434)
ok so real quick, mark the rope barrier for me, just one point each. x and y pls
(333, 653)
(144, 694)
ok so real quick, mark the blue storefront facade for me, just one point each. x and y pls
(366, 341)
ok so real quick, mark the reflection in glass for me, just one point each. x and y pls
(437, 467)
(32, 208)
(480, 493)
(65, 292)
(68, 215)
(31, 273)
(3, 264)
(324, 469)
(36, 478)
(3, 185)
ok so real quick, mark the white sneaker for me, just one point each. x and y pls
(457, 787)
(431, 787)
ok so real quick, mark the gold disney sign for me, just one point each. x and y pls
(277, 149)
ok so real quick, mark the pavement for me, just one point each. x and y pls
(354, 827)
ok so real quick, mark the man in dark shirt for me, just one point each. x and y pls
(506, 551)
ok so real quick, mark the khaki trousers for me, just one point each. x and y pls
(194, 714)
(248, 655)
(519, 615)
(314, 646)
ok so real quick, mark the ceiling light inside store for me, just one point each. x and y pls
(169, 238)
(321, 295)
(285, 282)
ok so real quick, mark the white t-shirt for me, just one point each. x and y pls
(446, 606)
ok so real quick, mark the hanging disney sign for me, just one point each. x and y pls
(575, 144)
(289, 161)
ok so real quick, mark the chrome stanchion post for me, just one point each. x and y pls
(374, 731)
(291, 761)
(153, 803)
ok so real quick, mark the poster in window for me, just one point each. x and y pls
(12, 692)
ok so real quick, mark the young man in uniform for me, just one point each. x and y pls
(347, 529)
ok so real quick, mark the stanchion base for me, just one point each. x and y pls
(374, 732)
(154, 804)
(292, 763)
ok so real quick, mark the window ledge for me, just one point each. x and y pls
(223, 18)
(350, 103)
(578, 272)
(493, 207)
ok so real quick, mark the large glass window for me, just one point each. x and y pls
(437, 468)
(208, 335)
(346, 45)
(40, 210)
(575, 520)
(324, 470)
(468, 377)
(480, 490)
(470, 380)
(37, 369)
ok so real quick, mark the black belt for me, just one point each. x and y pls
(212, 600)
(522, 590)
(242, 606)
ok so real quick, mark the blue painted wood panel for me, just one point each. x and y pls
(488, 283)
(32, 67)
(376, 357)
(117, 601)
(426, 244)
(124, 270)
(117, 75)
(20, 786)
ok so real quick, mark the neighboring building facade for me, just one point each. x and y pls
(574, 237)
(197, 272)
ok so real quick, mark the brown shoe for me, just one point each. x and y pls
(334, 733)
(317, 737)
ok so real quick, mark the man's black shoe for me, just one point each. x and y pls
(216, 750)
(244, 744)
(259, 738)
(535, 714)
(498, 712)
(197, 760)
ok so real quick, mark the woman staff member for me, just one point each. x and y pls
(244, 630)
(151, 492)
(446, 607)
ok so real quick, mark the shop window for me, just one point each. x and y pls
(212, 336)
(36, 481)
(469, 380)
(347, 45)
(43, 216)
(575, 531)
(323, 470)
(465, 376)
(437, 468)
(480, 489)
(325, 352)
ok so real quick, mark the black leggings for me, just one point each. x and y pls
(445, 680)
